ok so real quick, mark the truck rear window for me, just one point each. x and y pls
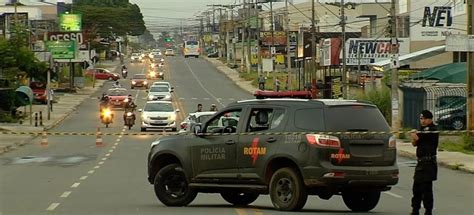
(355, 118)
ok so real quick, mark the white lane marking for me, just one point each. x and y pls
(181, 98)
(75, 185)
(66, 194)
(102, 162)
(106, 155)
(116, 144)
(218, 99)
(111, 150)
(118, 140)
(52, 206)
(194, 98)
(393, 195)
(91, 172)
(104, 159)
(96, 167)
(200, 83)
(83, 177)
(114, 147)
(120, 137)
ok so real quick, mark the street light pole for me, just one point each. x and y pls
(470, 72)
(345, 86)
(394, 49)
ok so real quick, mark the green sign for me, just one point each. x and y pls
(62, 49)
(70, 22)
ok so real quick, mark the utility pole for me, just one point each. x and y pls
(470, 71)
(272, 20)
(345, 84)
(288, 57)
(259, 56)
(394, 50)
(249, 36)
(313, 39)
(244, 28)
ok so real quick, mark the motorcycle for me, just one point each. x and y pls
(124, 73)
(129, 119)
(106, 117)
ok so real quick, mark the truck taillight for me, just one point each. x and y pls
(323, 140)
(392, 142)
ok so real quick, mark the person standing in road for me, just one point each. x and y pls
(199, 108)
(261, 82)
(213, 107)
(426, 170)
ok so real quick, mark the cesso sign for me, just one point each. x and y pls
(80, 37)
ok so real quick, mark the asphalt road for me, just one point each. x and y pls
(73, 176)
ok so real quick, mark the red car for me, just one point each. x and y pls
(39, 91)
(103, 74)
(117, 97)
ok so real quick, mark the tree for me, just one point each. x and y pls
(117, 16)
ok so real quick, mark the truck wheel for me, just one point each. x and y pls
(171, 186)
(287, 190)
(239, 198)
(361, 201)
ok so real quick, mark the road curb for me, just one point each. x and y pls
(455, 166)
(15, 145)
(237, 81)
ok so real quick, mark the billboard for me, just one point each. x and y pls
(371, 50)
(81, 38)
(435, 20)
(279, 38)
(70, 22)
(330, 51)
(62, 49)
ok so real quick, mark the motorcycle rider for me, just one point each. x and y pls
(129, 107)
(117, 85)
(104, 102)
(124, 71)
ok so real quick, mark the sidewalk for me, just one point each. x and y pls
(453, 160)
(66, 105)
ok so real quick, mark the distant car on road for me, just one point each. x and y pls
(193, 118)
(159, 92)
(136, 58)
(139, 80)
(169, 52)
(158, 115)
(286, 148)
(117, 97)
(103, 74)
(165, 83)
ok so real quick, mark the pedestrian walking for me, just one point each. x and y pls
(50, 97)
(277, 85)
(426, 170)
(261, 82)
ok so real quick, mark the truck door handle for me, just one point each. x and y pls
(271, 140)
(230, 142)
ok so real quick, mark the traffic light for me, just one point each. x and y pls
(168, 39)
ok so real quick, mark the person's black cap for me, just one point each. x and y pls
(427, 114)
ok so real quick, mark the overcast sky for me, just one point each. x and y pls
(159, 13)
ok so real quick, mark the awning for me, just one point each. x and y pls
(448, 73)
(412, 57)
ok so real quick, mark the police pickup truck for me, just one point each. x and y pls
(286, 148)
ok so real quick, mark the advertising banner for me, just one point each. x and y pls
(70, 22)
(279, 38)
(371, 50)
(81, 38)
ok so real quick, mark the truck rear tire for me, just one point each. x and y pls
(239, 198)
(287, 190)
(361, 201)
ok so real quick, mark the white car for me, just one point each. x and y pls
(169, 52)
(136, 57)
(163, 83)
(192, 118)
(159, 92)
(158, 115)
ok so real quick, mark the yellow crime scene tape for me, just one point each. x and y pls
(227, 134)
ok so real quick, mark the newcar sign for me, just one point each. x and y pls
(370, 50)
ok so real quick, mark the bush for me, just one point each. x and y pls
(8, 118)
(468, 142)
(382, 99)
